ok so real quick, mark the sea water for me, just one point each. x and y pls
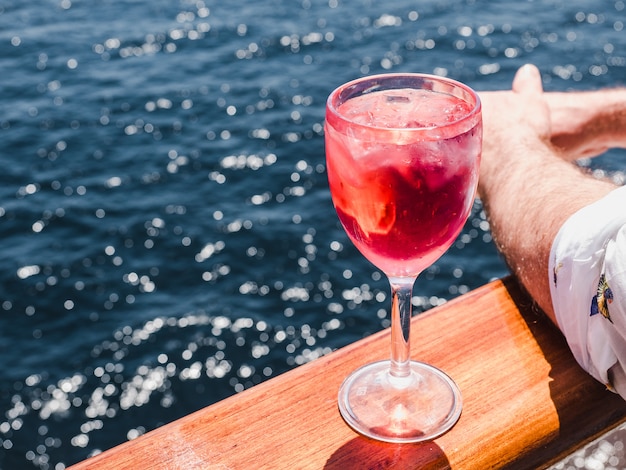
(167, 237)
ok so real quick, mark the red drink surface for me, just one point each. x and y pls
(403, 195)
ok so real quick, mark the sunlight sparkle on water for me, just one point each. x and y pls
(169, 238)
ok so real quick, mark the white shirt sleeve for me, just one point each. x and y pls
(588, 286)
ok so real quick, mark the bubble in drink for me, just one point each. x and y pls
(395, 99)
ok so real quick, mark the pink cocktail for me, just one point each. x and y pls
(402, 153)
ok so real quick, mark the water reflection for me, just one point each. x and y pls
(166, 233)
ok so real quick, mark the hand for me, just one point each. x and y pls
(520, 115)
(514, 122)
(581, 124)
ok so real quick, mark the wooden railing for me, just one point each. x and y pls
(526, 403)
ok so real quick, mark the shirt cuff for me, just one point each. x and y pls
(587, 271)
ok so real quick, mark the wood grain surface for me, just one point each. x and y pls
(526, 403)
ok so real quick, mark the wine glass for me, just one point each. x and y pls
(402, 152)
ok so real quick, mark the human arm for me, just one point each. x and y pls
(586, 124)
(527, 188)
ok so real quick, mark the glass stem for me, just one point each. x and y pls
(401, 307)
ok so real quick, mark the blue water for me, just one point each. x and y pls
(166, 233)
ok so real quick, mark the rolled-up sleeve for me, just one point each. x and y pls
(588, 287)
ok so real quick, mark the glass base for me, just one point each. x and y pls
(416, 408)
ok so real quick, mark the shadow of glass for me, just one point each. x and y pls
(366, 454)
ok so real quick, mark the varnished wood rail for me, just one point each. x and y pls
(526, 403)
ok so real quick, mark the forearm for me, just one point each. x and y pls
(588, 123)
(528, 196)
(526, 185)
